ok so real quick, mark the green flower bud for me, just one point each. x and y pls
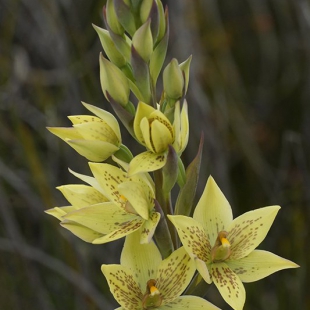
(173, 80)
(145, 10)
(112, 19)
(113, 81)
(184, 66)
(143, 41)
(162, 20)
(109, 47)
(125, 16)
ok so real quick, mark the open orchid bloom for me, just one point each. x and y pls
(94, 137)
(144, 281)
(224, 249)
(153, 130)
(112, 207)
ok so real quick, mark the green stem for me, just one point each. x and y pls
(165, 203)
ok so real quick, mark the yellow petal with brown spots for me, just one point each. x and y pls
(142, 259)
(174, 275)
(213, 210)
(80, 195)
(229, 285)
(193, 236)
(258, 265)
(190, 303)
(123, 285)
(248, 230)
(146, 162)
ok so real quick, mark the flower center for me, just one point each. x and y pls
(221, 249)
(152, 297)
(126, 204)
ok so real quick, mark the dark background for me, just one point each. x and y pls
(249, 93)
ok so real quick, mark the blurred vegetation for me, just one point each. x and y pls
(249, 93)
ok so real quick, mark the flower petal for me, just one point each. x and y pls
(93, 150)
(125, 229)
(203, 270)
(248, 230)
(143, 261)
(104, 217)
(193, 236)
(106, 116)
(123, 286)
(143, 110)
(80, 195)
(229, 285)
(189, 302)
(109, 177)
(174, 274)
(65, 133)
(258, 265)
(148, 227)
(138, 198)
(84, 233)
(146, 136)
(89, 180)
(213, 210)
(147, 161)
(161, 136)
(59, 212)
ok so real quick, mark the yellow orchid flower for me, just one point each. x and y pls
(112, 207)
(153, 130)
(144, 281)
(224, 249)
(94, 137)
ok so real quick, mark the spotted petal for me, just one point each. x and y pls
(248, 230)
(109, 177)
(143, 261)
(148, 227)
(146, 162)
(106, 116)
(193, 236)
(123, 285)
(174, 274)
(80, 195)
(213, 211)
(125, 229)
(99, 130)
(190, 303)
(258, 265)
(229, 285)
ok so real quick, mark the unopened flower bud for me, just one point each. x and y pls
(173, 80)
(113, 81)
(143, 41)
(109, 47)
(112, 19)
(185, 66)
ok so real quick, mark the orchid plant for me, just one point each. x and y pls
(166, 252)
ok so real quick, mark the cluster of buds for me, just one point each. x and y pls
(122, 199)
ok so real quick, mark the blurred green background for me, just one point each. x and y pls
(249, 93)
